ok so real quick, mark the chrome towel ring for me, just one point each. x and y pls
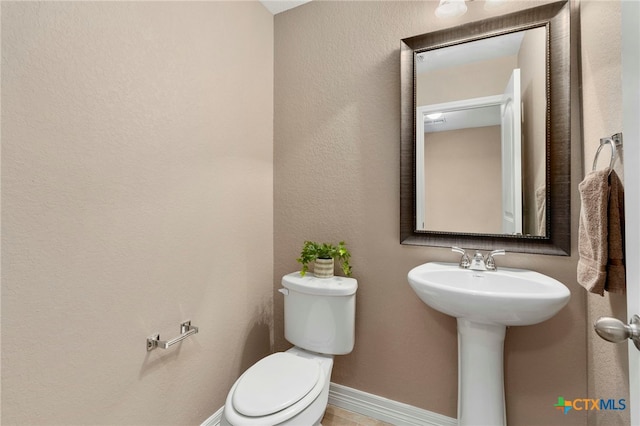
(615, 141)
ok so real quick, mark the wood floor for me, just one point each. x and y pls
(335, 416)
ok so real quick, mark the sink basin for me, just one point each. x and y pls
(506, 296)
(485, 303)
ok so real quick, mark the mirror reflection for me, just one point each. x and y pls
(481, 136)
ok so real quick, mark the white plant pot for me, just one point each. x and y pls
(323, 268)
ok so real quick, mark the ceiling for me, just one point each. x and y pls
(277, 6)
(464, 53)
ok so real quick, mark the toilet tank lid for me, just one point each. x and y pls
(310, 284)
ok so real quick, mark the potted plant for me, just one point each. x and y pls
(323, 256)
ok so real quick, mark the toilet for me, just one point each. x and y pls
(292, 387)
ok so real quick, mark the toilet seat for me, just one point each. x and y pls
(274, 383)
(274, 390)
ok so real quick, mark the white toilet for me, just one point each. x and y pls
(292, 387)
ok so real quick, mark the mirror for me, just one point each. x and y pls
(489, 129)
(485, 143)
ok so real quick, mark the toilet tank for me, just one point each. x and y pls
(320, 313)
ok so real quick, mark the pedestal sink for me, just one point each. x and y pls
(485, 303)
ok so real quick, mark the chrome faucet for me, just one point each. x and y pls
(479, 262)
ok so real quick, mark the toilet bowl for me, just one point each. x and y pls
(292, 387)
(285, 388)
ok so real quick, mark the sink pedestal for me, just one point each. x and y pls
(480, 374)
(485, 303)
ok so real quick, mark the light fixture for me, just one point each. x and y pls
(451, 8)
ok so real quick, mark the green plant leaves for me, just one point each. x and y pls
(312, 251)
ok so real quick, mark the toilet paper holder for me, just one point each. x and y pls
(186, 330)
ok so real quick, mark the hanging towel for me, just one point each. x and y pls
(601, 232)
(616, 277)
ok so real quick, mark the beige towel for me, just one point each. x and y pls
(601, 233)
(616, 277)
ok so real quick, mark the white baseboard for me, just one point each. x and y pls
(386, 410)
(214, 420)
(373, 406)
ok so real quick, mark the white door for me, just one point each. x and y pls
(631, 147)
(511, 157)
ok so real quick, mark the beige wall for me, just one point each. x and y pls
(602, 109)
(336, 159)
(137, 192)
(476, 163)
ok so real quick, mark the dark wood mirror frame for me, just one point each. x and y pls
(555, 17)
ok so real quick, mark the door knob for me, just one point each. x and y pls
(616, 331)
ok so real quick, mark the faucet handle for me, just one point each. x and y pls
(490, 262)
(464, 260)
